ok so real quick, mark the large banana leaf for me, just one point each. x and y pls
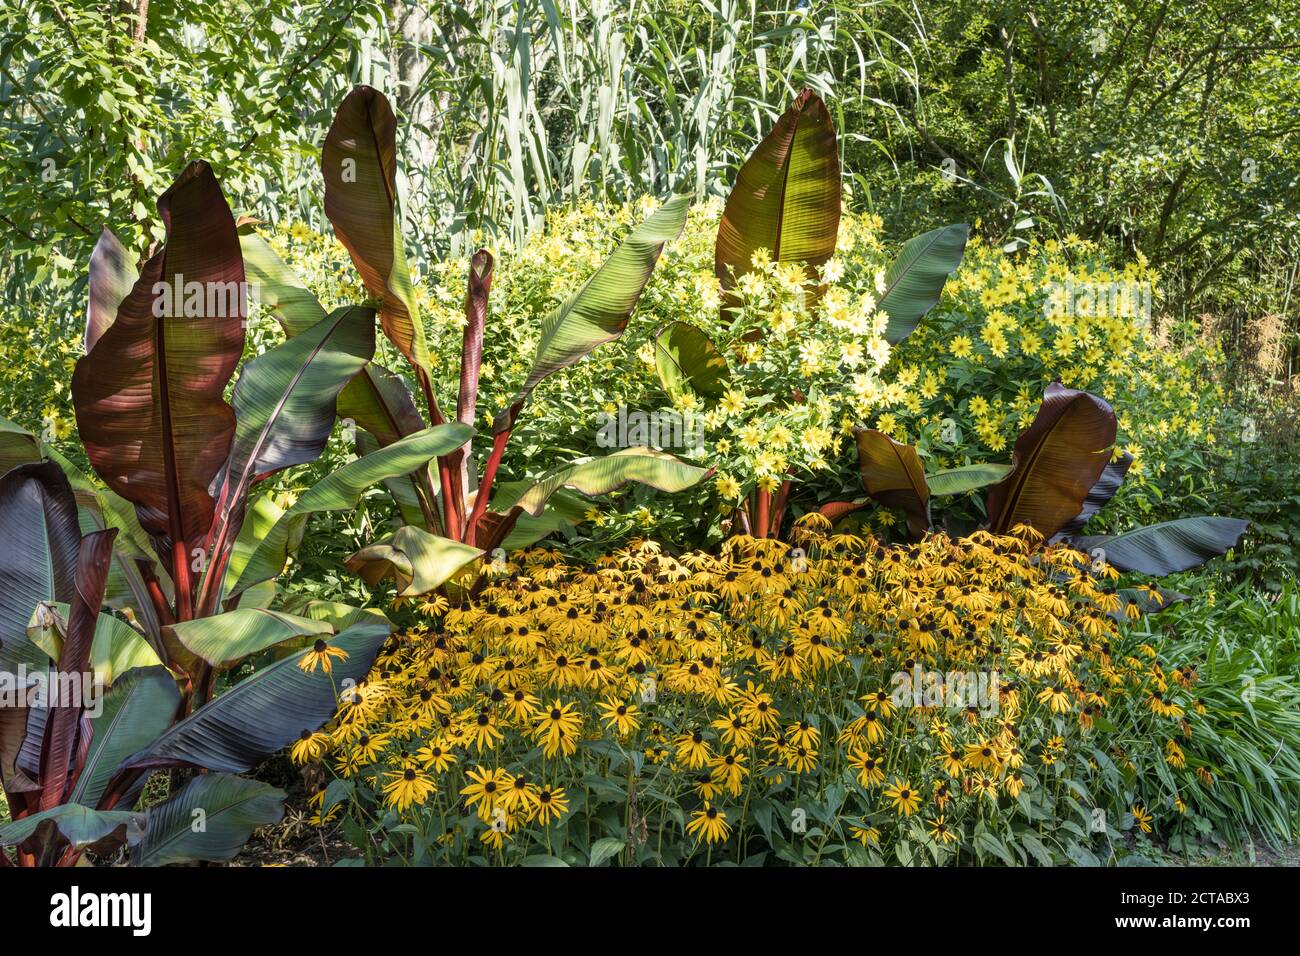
(136, 711)
(149, 396)
(80, 826)
(39, 541)
(419, 562)
(112, 274)
(1168, 547)
(1099, 494)
(787, 195)
(893, 475)
(1057, 459)
(266, 712)
(599, 476)
(359, 166)
(689, 363)
(18, 446)
(916, 279)
(228, 808)
(599, 311)
(223, 639)
(342, 490)
(63, 730)
(284, 408)
(965, 478)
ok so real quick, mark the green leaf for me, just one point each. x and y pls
(80, 826)
(419, 562)
(916, 279)
(224, 639)
(229, 808)
(278, 287)
(787, 195)
(18, 446)
(958, 481)
(136, 711)
(599, 311)
(605, 848)
(689, 363)
(1168, 547)
(115, 648)
(598, 476)
(264, 713)
(342, 490)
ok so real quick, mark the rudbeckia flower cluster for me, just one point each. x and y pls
(832, 697)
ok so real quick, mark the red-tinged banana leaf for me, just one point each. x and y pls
(149, 397)
(1168, 547)
(787, 195)
(599, 312)
(477, 288)
(284, 410)
(916, 278)
(39, 544)
(892, 474)
(112, 275)
(263, 714)
(359, 165)
(418, 562)
(834, 511)
(689, 363)
(82, 827)
(63, 727)
(1056, 460)
(1099, 494)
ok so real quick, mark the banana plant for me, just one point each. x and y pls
(787, 201)
(451, 511)
(96, 707)
(1063, 471)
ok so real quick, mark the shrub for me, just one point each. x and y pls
(760, 704)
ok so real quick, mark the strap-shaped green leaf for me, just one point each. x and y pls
(342, 490)
(916, 279)
(599, 476)
(224, 639)
(230, 808)
(965, 478)
(18, 446)
(599, 311)
(266, 712)
(80, 826)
